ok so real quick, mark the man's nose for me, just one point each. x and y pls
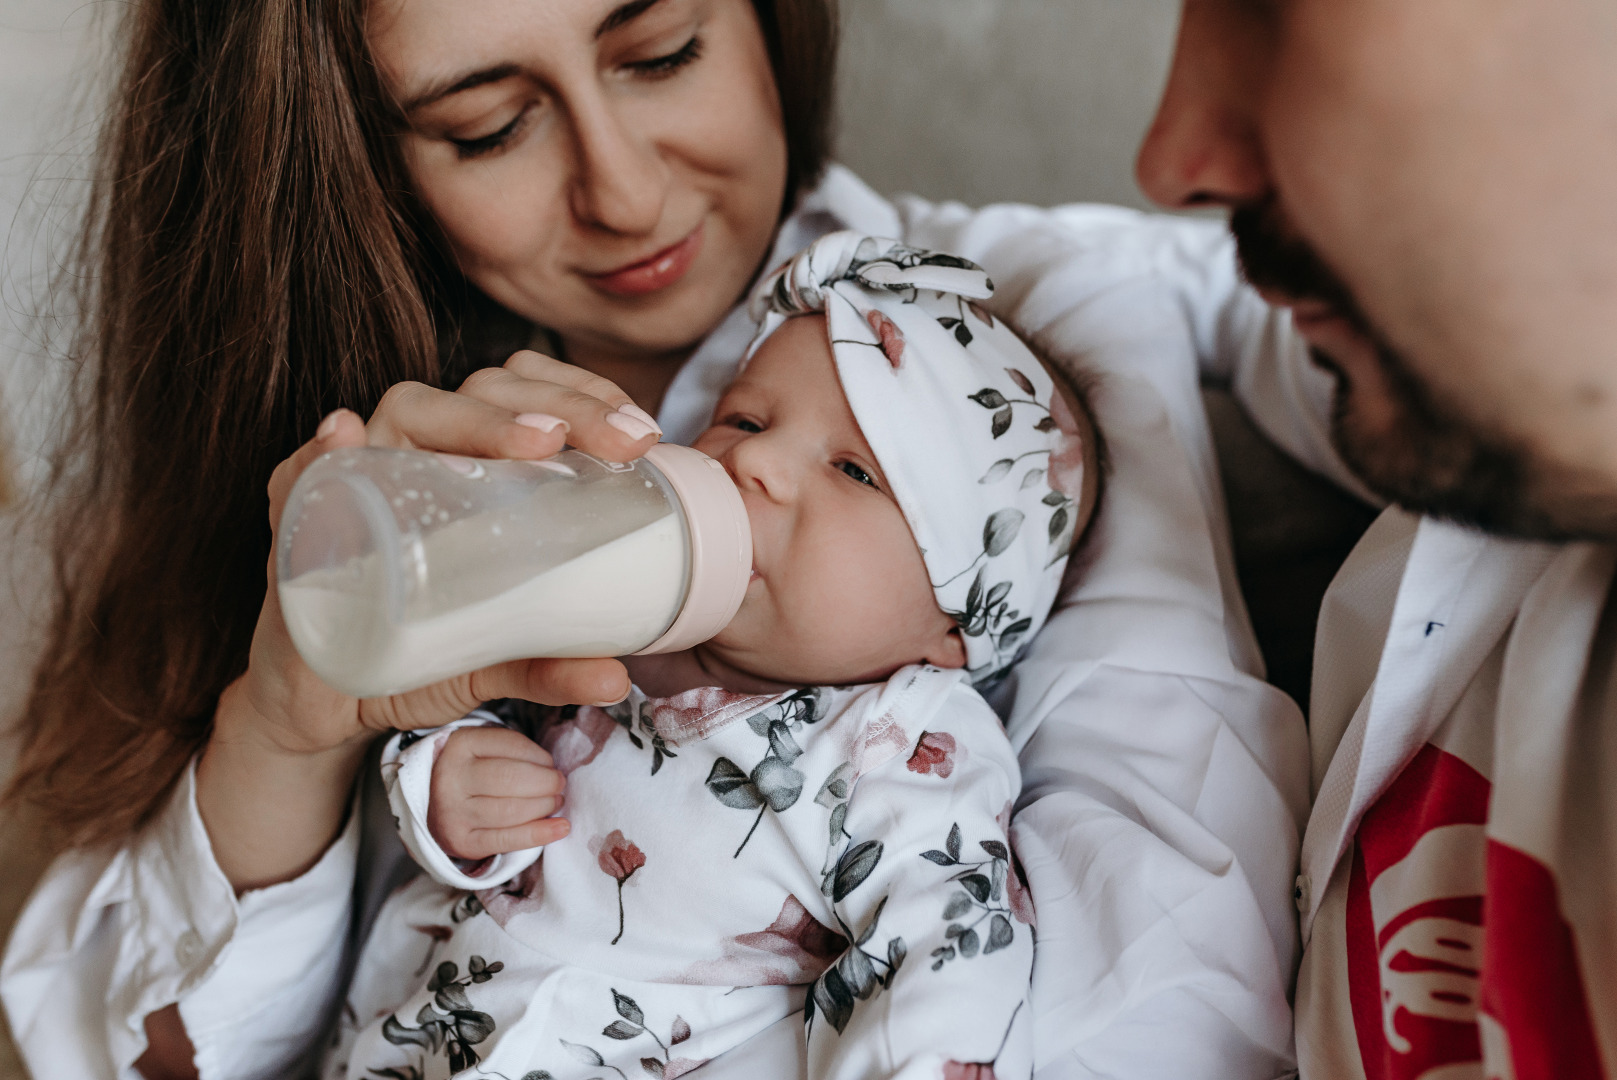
(621, 180)
(1204, 147)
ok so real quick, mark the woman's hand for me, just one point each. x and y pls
(493, 791)
(274, 780)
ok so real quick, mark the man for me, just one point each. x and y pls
(1428, 184)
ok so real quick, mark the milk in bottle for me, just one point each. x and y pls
(399, 568)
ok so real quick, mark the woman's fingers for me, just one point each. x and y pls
(342, 428)
(548, 682)
(602, 419)
(416, 415)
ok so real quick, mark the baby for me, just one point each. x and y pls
(809, 811)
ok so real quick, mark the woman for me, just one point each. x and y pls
(304, 209)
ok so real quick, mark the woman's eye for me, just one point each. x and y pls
(855, 472)
(487, 144)
(658, 66)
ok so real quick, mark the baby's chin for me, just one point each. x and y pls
(791, 667)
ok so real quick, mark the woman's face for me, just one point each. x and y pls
(613, 171)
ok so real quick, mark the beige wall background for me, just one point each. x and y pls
(980, 100)
(1040, 101)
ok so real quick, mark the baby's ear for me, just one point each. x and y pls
(949, 651)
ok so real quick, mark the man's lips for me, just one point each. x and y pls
(1315, 320)
(651, 274)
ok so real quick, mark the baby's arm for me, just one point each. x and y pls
(936, 982)
(472, 800)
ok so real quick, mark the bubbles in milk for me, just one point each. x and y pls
(609, 601)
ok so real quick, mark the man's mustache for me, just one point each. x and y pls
(1274, 259)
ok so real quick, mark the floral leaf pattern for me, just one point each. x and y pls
(772, 785)
(857, 975)
(631, 1025)
(983, 893)
(449, 1024)
(634, 716)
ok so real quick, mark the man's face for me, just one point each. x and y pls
(1430, 184)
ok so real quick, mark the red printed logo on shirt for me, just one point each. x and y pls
(1457, 951)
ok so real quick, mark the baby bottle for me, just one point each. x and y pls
(399, 568)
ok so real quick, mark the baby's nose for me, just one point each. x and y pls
(762, 464)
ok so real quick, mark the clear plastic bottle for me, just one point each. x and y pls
(399, 568)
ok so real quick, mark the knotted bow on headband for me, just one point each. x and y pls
(982, 455)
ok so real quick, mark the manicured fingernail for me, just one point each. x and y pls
(631, 426)
(542, 421)
(327, 426)
(641, 415)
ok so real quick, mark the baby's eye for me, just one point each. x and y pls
(749, 426)
(855, 472)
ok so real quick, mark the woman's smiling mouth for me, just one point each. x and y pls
(652, 274)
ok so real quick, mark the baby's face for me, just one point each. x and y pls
(839, 592)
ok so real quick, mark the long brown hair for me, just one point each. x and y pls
(252, 259)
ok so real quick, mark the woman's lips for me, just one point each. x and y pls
(654, 274)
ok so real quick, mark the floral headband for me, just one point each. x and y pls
(983, 455)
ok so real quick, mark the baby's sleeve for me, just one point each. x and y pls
(935, 981)
(407, 772)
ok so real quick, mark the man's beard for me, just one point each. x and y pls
(1428, 459)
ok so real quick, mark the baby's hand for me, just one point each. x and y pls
(492, 790)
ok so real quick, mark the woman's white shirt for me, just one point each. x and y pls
(1166, 784)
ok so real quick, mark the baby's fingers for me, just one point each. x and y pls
(530, 834)
(474, 828)
(509, 779)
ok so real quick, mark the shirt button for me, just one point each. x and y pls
(188, 949)
(1303, 894)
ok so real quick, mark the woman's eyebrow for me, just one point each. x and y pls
(457, 83)
(620, 16)
(624, 14)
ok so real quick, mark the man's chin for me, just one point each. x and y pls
(1417, 457)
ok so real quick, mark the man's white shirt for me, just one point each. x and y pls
(1457, 892)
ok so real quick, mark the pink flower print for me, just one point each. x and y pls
(968, 1070)
(890, 336)
(522, 894)
(1017, 895)
(799, 935)
(1016, 890)
(934, 754)
(575, 743)
(1067, 461)
(794, 949)
(700, 712)
(439, 935)
(619, 859)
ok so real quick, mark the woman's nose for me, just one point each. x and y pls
(622, 181)
(1204, 146)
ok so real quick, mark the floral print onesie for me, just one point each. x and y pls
(733, 859)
